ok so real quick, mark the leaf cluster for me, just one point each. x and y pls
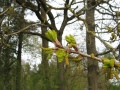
(109, 69)
(109, 65)
(51, 35)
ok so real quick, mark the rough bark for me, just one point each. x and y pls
(91, 47)
(18, 68)
(61, 76)
(19, 58)
(60, 67)
(6, 69)
(45, 65)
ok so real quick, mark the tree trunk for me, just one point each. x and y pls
(60, 67)
(91, 47)
(45, 65)
(6, 69)
(18, 66)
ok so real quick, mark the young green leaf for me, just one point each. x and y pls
(70, 39)
(112, 62)
(106, 63)
(66, 59)
(51, 34)
(60, 54)
(47, 50)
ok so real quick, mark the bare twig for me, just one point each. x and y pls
(4, 12)
(37, 34)
(116, 64)
(24, 29)
(55, 8)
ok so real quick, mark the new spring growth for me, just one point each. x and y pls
(71, 42)
(108, 63)
(61, 53)
(52, 36)
(109, 69)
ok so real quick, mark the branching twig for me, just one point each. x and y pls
(55, 8)
(116, 64)
(37, 34)
(4, 12)
(105, 43)
(103, 53)
(24, 29)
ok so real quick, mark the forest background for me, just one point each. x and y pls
(93, 23)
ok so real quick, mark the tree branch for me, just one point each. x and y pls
(37, 34)
(55, 8)
(65, 20)
(48, 11)
(25, 28)
(27, 5)
(103, 53)
(4, 11)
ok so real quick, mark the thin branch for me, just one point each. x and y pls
(104, 13)
(80, 12)
(105, 43)
(48, 12)
(14, 33)
(75, 15)
(55, 8)
(37, 34)
(65, 20)
(89, 56)
(27, 5)
(103, 53)
(116, 64)
(72, 22)
(4, 12)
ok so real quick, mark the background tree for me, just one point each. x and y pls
(91, 47)
(7, 57)
(45, 68)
